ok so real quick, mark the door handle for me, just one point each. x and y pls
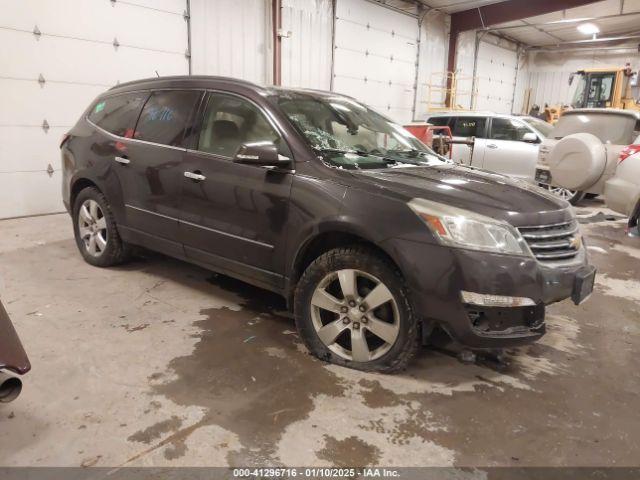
(492, 146)
(122, 160)
(195, 176)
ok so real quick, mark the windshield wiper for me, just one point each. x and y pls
(383, 158)
(329, 150)
(410, 151)
(338, 150)
(420, 155)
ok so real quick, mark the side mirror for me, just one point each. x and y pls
(530, 137)
(260, 154)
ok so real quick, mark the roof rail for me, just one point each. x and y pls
(186, 78)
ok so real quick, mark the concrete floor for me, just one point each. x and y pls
(163, 363)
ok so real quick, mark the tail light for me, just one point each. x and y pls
(64, 138)
(628, 151)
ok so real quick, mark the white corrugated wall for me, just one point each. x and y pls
(434, 41)
(547, 74)
(465, 59)
(75, 58)
(306, 45)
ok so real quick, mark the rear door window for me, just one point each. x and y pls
(508, 129)
(469, 127)
(165, 116)
(118, 114)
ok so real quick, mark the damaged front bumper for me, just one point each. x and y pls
(487, 300)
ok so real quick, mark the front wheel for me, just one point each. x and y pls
(571, 196)
(352, 308)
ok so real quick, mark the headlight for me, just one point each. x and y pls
(462, 228)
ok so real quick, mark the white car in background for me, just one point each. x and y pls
(581, 153)
(622, 191)
(506, 144)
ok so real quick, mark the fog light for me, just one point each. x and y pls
(486, 300)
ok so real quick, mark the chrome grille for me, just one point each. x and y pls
(553, 242)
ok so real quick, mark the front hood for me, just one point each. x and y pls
(12, 355)
(487, 193)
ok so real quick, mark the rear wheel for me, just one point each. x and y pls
(571, 196)
(352, 309)
(95, 230)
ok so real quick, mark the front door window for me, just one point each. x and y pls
(508, 129)
(230, 122)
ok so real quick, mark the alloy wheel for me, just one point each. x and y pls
(92, 226)
(355, 315)
(563, 193)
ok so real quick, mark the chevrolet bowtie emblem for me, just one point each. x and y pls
(575, 242)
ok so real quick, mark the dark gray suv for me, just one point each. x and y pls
(374, 240)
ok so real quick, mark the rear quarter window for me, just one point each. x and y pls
(118, 114)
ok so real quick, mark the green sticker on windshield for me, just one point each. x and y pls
(99, 107)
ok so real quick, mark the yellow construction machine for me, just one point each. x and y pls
(605, 88)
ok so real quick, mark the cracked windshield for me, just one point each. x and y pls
(346, 134)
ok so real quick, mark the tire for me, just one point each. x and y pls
(393, 316)
(96, 231)
(577, 198)
(633, 227)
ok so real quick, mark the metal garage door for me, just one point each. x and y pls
(231, 38)
(495, 77)
(77, 48)
(375, 57)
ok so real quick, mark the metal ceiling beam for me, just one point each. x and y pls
(618, 38)
(618, 48)
(507, 11)
(568, 22)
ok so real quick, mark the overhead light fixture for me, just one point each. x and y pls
(588, 28)
(570, 20)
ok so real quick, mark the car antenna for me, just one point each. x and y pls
(157, 74)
